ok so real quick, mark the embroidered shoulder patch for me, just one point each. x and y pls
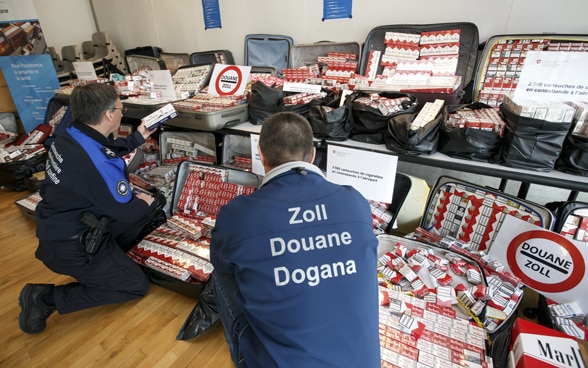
(122, 188)
(108, 152)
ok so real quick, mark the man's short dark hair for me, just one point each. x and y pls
(90, 101)
(285, 137)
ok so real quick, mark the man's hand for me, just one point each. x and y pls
(145, 197)
(144, 131)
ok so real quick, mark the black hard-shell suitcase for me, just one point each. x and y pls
(179, 261)
(467, 213)
(466, 64)
(152, 51)
(307, 54)
(500, 62)
(212, 57)
(473, 215)
(572, 219)
(187, 79)
(572, 222)
(136, 63)
(529, 143)
(268, 50)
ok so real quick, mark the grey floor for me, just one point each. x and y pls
(538, 194)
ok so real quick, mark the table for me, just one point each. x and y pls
(554, 178)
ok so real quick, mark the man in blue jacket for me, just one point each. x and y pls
(87, 199)
(295, 279)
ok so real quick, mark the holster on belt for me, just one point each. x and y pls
(93, 237)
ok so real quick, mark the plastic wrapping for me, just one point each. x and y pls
(13, 175)
(203, 316)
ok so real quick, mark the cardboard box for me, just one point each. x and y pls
(537, 346)
(6, 102)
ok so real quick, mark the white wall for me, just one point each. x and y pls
(178, 25)
(65, 22)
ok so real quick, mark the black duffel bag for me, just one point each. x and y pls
(369, 123)
(403, 138)
(574, 156)
(468, 143)
(265, 101)
(329, 120)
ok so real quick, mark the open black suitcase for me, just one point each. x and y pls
(457, 213)
(176, 255)
(572, 223)
(307, 54)
(529, 143)
(501, 60)
(466, 64)
(470, 214)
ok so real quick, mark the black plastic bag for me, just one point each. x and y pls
(468, 143)
(329, 120)
(574, 156)
(265, 101)
(532, 144)
(401, 139)
(369, 124)
(13, 175)
(203, 317)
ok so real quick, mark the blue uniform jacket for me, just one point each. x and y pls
(85, 172)
(303, 254)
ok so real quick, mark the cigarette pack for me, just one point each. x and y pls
(538, 347)
(160, 116)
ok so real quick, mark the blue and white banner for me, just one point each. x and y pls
(335, 9)
(211, 11)
(32, 82)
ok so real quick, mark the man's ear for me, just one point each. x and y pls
(261, 155)
(313, 155)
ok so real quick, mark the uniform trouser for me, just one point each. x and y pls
(108, 277)
(232, 318)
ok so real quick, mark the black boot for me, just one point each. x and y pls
(34, 312)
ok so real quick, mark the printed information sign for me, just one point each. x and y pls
(371, 173)
(553, 75)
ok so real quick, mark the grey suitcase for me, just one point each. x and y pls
(268, 50)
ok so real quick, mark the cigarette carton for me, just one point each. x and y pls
(160, 116)
(537, 346)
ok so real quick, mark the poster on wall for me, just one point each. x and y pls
(32, 82)
(211, 12)
(26, 65)
(20, 30)
(336, 9)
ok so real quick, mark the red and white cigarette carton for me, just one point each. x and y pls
(537, 346)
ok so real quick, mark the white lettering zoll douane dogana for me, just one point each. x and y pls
(314, 273)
